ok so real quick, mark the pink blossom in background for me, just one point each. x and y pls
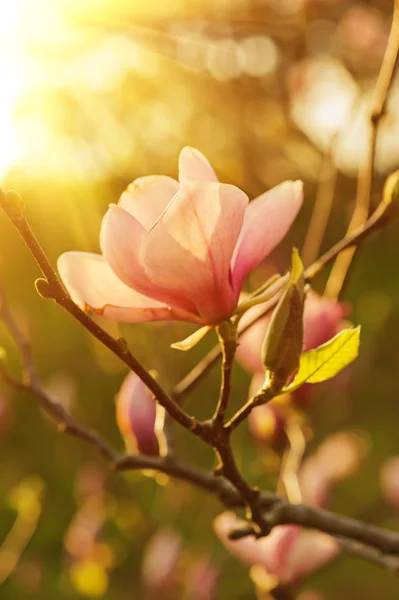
(322, 319)
(201, 579)
(179, 250)
(288, 552)
(336, 459)
(390, 481)
(136, 415)
(160, 562)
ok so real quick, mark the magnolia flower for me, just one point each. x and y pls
(179, 250)
(136, 415)
(336, 459)
(201, 579)
(289, 552)
(321, 322)
(160, 562)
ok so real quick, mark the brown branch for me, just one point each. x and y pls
(365, 179)
(378, 219)
(278, 511)
(51, 287)
(284, 513)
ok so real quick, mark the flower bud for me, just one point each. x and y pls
(284, 337)
(136, 416)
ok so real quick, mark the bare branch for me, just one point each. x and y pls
(52, 288)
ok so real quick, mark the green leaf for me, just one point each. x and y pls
(327, 360)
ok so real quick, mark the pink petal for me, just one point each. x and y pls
(121, 240)
(136, 414)
(193, 166)
(277, 547)
(250, 342)
(189, 248)
(311, 551)
(93, 284)
(321, 320)
(160, 561)
(267, 220)
(147, 197)
(248, 550)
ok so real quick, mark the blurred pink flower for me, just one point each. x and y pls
(136, 415)
(288, 552)
(160, 561)
(179, 250)
(322, 319)
(390, 481)
(336, 459)
(201, 579)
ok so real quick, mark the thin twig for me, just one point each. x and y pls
(292, 462)
(378, 219)
(228, 348)
(322, 206)
(365, 179)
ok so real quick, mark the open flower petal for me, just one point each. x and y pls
(311, 551)
(147, 197)
(93, 284)
(266, 222)
(193, 166)
(121, 241)
(189, 249)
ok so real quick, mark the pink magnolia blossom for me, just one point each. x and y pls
(136, 414)
(288, 552)
(336, 459)
(321, 321)
(160, 562)
(390, 481)
(201, 579)
(179, 250)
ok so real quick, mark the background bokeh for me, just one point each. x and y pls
(96, 93)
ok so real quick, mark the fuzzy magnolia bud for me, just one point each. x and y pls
(284, 337)
(136, 416)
